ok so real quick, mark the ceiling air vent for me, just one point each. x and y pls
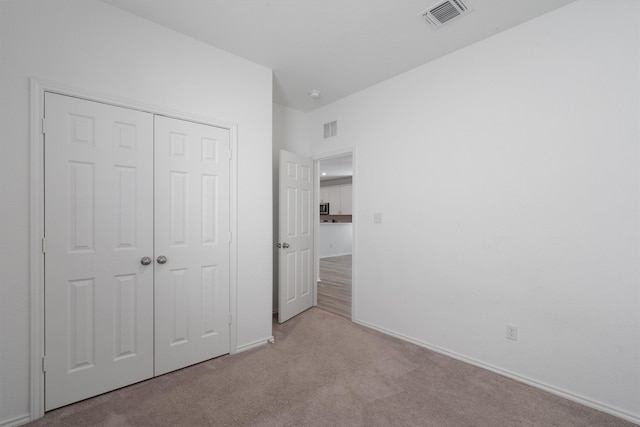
(444, 11)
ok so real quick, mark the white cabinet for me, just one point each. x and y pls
(338, 197)
(324, 195)
(345, 200)
(334, 200)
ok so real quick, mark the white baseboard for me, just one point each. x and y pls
(254, 344)
(334, 255)
(16, 421)
(603, 407)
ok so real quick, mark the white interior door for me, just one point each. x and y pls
(98, 227)
(192, 190)
(295, 263)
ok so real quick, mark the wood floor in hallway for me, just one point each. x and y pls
(334, 288)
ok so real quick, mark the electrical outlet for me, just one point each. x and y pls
(377, 218)
(512, 332)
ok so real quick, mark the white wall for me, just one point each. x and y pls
(335, 239)
(513, 197)
(290, 132)
(92, 46)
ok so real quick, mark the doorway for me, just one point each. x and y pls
(335, 235)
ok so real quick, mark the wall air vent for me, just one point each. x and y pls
(330, 129)
(443, 12)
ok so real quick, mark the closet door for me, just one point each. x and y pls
(98, 228)
(192, 224)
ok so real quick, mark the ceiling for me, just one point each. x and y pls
(336, 167)
(338, 47)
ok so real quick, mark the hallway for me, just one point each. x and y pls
(334, 288)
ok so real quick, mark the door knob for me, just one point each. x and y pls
(145, 260)
(285, 245)
(279, 245)
(161, 259)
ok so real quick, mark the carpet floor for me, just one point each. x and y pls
(324, 370)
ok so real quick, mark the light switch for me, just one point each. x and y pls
(377, 218)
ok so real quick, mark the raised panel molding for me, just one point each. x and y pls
(208, 298)
(178, 145)
(209, 150)
(292, 275)
(209, 210)
(292, 208)
(179, 319)
(126, 229)
(306, 173)
(81, 209)
(81, 324)
(125, 313)
(82, 129)
(306, 274)
(179, 188)
(306, 213)
(292, 170)
(126, 136)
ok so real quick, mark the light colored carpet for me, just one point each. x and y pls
(324, 370)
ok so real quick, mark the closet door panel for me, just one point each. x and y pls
(98, 226)
(192, 199)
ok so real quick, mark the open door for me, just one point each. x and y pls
(295, 243)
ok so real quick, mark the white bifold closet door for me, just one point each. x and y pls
(192, 232)
(98, 226)
(110, 292)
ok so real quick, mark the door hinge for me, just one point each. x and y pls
(44, 126)
(230, 319)
(230, 236)
(44, 245)
(44, 363)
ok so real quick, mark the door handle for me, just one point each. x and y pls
(145, 260)
(162, 259)
(285, 245)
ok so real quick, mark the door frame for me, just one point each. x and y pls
(38, 88)
(317, 159)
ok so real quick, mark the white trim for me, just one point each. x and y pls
(603, 407)
(332, 255)
(90, 95)
(36, 211)
(233, 247)
(16, 421)
(354, 222)
(36, 258)
(638, 361)
(256, 344)
(316, 229)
